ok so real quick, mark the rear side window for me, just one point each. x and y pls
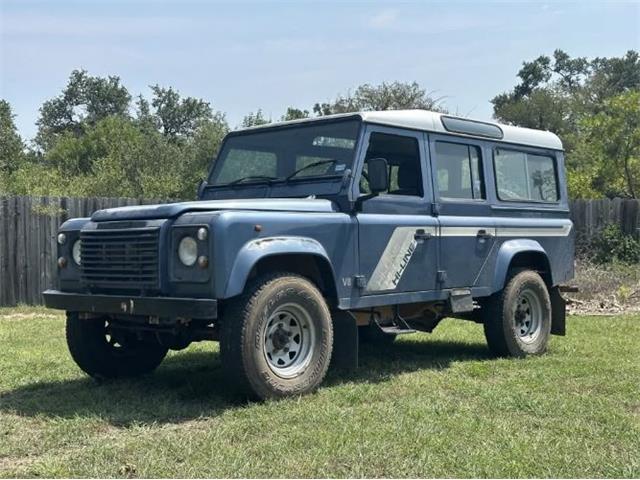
(459, 171)
(522, 176)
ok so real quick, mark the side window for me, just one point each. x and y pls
(525, 176)
(248, 163)
(459, 171)
(403, 156)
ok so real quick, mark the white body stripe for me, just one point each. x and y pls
(402, 244)
(559, 231)
(395, 258)
(464, 231)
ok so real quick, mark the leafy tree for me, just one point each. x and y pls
(84, 101)
(554, 93)
(542, 109)
(178, 117)
(90, 144)
(386, 96)
(202, 150)
(573, 97)
(294, 114)
(612, 76)
(608, 153)
(116, 157)
(255, 119)
(11, 146)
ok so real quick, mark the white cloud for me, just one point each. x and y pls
(384, 19)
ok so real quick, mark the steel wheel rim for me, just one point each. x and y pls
(289, 340)
(528, 316)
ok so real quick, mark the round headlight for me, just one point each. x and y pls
(188, 251)
(75, 252)
(62, 238)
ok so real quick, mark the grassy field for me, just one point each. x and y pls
(431, 405)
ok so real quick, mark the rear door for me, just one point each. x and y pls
(467, 229)
(397, 233)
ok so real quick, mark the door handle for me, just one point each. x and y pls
(484, 235)
(422, 235)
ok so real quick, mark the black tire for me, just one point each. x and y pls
(517, 320)
(103, 357)
(252, 322)
(372, 335)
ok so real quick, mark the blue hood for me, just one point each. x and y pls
(172, 210)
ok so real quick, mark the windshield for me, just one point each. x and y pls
(294, 153)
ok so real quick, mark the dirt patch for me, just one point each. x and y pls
(15, 463)
(610, 289)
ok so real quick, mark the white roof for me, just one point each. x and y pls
(430, 122)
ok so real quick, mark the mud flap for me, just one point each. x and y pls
(345, 341)
(558, 312)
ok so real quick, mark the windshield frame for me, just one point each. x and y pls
(279, 127)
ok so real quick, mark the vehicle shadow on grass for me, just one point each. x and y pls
(191, 384)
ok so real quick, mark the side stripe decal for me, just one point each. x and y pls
(395, 258)
(402, 244)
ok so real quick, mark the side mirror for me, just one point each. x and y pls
(378, 173)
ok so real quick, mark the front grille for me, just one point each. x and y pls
(120, 259)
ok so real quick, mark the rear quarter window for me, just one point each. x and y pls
(525, 177)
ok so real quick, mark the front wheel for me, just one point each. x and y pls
(517, 320)
(276, 340)
(103, 351)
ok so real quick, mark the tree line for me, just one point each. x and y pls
(96, 139)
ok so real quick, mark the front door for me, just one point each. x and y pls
(397, 233)
(467, 229)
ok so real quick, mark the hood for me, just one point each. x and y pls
(172, 210)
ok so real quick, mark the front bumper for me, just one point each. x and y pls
(122, 304)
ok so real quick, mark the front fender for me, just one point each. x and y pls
(508, 250)
(255, 250)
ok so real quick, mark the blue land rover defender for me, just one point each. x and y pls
(309, 234)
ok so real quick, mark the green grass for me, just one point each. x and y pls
(431, 405)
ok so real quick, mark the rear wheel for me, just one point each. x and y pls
(276, 340)
(517, 320)
(104, 352)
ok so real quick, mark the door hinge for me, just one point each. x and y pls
(435, 209)
(441, 276)
(361, 281)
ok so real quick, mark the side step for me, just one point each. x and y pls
(399, 326)
(393, 330)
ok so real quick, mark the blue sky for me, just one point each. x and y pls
(244, 55)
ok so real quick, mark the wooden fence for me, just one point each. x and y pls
(590, 216)
(28, 227)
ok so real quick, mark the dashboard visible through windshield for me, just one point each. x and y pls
(293, 153)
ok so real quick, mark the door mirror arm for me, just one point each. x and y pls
(201, 186)
(357, 206)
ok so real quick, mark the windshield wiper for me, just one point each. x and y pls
(311, 165)
(251, 177)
